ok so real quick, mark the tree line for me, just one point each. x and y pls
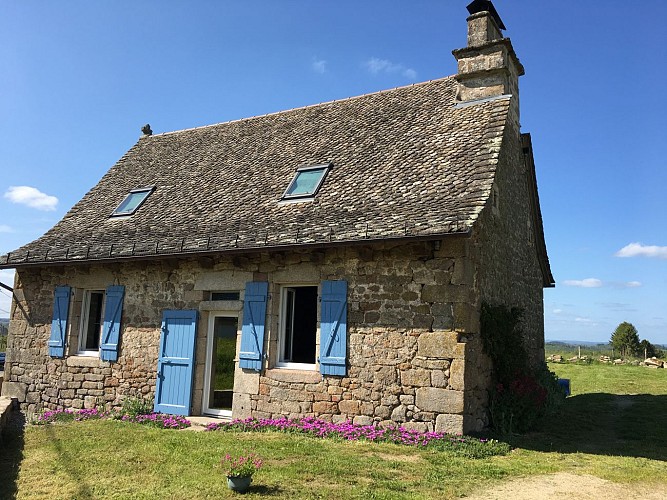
(625, 340)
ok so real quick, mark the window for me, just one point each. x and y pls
(306, 182)
(230, 295)
(96, 331)
(133, 201)
(300, 311)
(298, 332)
(92, 314)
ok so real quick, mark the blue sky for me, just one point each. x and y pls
(80, 78)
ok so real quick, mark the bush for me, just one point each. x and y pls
(522, 393)
(133, 406)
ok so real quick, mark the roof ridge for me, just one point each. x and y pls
(248, 118)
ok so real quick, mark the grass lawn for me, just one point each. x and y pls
(614, 426)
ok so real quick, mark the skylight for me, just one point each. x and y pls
(133, 201)
(306, 182)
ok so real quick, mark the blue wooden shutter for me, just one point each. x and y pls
(59, 324)
(333, 328)
(113, 310)
(176, 362)
(254, 319)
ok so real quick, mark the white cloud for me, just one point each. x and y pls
(596, 283)
(410, 74)
(586, 283)
(376, 66)
(319, 66)
(31, 197)
(618, 306)
(4, 228)
(557, 311)
(639, 250)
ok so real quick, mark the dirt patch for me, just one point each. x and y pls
(399, 458)
(569, 486)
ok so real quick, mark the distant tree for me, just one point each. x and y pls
(651, 351)
(625, 340)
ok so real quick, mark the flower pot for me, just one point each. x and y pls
(239, 483)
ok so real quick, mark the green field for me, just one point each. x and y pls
(614, 426)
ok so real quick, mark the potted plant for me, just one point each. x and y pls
(239, 470)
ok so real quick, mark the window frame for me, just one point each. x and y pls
(84, 323)
(206, 403)
(325, 167)
(146, 190)
(282, 328)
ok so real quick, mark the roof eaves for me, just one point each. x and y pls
(538, 228)
(170, 254)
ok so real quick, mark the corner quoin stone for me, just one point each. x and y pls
(439, 400)
(451, 424)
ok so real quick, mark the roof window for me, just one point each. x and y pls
(306, 182)
(133, 201)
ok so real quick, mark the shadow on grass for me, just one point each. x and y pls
(265, 490)
(605, 424)
(12, 442)
(69, 464)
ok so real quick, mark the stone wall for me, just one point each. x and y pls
(412, 326)
(509, 272)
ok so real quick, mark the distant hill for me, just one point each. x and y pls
(575, 343)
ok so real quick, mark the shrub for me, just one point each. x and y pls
(134, 406)
(522, 393)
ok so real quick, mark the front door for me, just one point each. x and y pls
(173, 388)
(220, 354)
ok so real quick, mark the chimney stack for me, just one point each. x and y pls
(488, 66)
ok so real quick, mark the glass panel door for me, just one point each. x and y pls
(221, 351)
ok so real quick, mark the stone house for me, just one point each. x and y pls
(328, 261)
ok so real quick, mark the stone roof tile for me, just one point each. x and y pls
(406, 163)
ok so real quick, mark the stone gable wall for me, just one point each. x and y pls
(509, 272)
(412, 324)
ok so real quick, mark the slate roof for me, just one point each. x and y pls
(406, 162)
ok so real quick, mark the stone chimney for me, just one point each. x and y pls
(488, 66)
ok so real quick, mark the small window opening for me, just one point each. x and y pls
(306, 182)
(299, 325)
(92, 314)
(133, 201)
(227, 295)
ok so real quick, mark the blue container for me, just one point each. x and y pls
(565, 384)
